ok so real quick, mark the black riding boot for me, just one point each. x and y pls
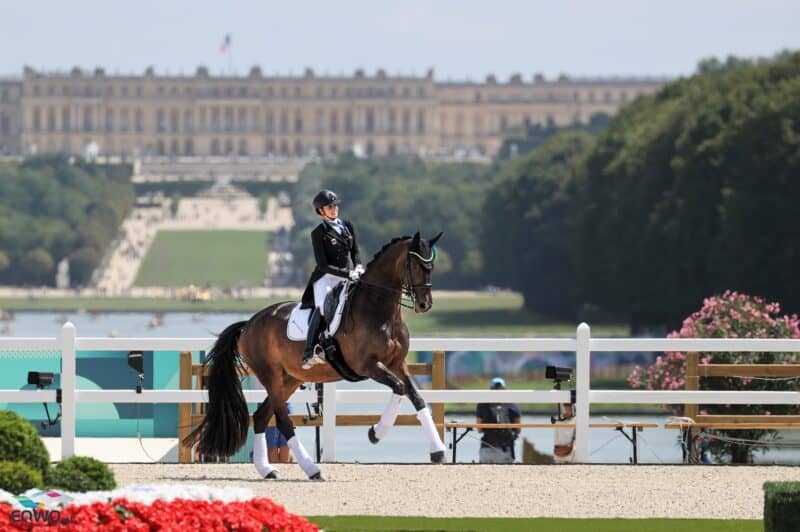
(311, 338)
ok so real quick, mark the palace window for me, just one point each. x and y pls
(370, 119)
(348, 121)
(228, 147)
(188, 121)
(124, 120)
(188, 147)
(88, 119)
(334, 122)
(284, 121)
(229, 121)
(298, 121)
(37, 119)
(174, 119)
(270, 121)
(109, 120)
(161, 121)
(242, 147)
(215, 147)
(51, 119)
(139, 120)
(65, 121)
(421, 121)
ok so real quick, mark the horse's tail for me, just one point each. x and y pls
(226, 423)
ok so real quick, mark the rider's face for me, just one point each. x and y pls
(331, 212)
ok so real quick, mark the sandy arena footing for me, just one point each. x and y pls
(468, 490)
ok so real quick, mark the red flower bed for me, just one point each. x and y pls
(256, 515)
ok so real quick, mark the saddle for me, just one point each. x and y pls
(333, 310)
(335, 302)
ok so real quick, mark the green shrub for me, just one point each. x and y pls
(82, 473)
(16, 477)
(19, 442)
(781, 506)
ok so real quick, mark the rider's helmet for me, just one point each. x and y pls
(323, 198)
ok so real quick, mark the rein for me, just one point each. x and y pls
(407, 289)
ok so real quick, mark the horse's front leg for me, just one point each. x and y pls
(424, 416)
(380, 373)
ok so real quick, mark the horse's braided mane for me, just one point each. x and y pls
(387, 245)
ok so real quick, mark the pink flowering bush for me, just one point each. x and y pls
(731, 315)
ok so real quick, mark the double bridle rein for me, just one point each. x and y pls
(407, 289)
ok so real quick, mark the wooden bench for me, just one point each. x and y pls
(620, 426)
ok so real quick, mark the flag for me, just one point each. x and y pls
(226, 43)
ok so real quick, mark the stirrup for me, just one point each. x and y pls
(317, 357)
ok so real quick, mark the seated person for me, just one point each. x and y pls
(564, 444)
(497, 445)
(277, 446)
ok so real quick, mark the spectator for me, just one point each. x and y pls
(564, 444)
(497, 445)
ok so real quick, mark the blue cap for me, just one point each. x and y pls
(498, 382)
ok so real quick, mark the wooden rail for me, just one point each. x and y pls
(191, 415)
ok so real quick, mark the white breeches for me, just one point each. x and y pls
(324, 284)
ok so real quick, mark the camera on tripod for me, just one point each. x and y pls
(558, 375)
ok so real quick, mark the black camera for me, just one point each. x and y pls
(40, 379)
(558, 374)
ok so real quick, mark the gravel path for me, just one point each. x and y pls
(466, 490)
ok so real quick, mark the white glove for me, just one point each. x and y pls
(354, 275)
(360, 269)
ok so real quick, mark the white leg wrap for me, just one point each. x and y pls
(301, 456)
(260, 456)
(429, 429)
(388, 417)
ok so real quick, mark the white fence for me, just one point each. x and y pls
(583, 345)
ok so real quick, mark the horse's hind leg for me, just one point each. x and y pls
(261, 418)
(299, 452)
(424, 416)
(381, 374)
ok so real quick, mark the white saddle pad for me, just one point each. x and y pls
(297, 327)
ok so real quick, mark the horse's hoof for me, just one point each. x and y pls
(317, 477)
(437, 457)
(371, 434)
(272, 475)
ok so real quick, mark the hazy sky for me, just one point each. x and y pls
(459, 38)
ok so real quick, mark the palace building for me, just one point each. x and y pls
(258, 115)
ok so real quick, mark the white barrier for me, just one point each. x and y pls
(583, 345)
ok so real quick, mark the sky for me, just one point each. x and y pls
(459, 39)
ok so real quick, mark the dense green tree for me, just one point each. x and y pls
(692, 191)
(51, 206)
(527, 231)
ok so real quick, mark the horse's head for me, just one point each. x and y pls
(419, 267)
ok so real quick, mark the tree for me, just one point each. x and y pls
(730, 315)
(527, 231)
(690, 191)
(39, 265)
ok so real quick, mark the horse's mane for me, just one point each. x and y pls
(385, 247)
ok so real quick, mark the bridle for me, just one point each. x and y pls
(408, 287)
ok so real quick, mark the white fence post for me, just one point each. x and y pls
(582, 378)
(68, 378)
(329, 422)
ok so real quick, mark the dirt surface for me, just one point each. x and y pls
(466, 490)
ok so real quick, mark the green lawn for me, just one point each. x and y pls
(371, 523)
(493, 315)
(180, 258)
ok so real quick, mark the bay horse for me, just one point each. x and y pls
(373, 340)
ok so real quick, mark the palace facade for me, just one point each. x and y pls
(258, 115)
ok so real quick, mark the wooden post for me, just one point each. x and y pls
(439, 382)
(692, 383)
(185, 409)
